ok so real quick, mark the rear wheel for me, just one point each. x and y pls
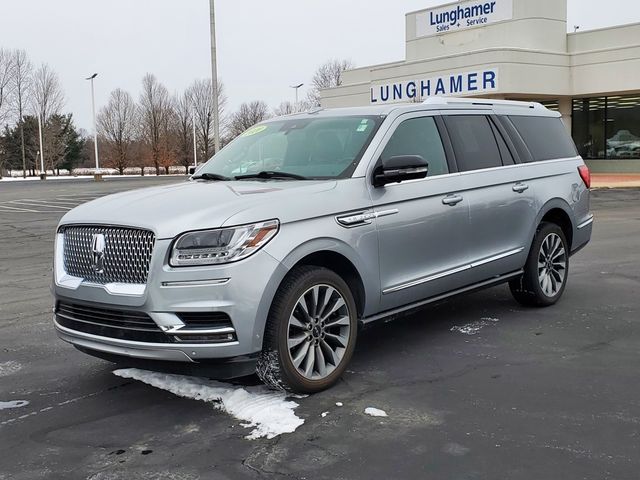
(311, 332)
(546, 270)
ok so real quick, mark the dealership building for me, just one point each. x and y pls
(518, 50)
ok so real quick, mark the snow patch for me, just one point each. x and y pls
(269, 413)
(339, 404)
(13, 404)
(9, 368)
(375, 412)
(474, 327)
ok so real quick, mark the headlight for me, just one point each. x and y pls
(223, 245)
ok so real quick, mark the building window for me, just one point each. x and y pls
(623, 127)
(607, 127)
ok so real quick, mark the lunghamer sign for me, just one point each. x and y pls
(459, 83)
(458, 16)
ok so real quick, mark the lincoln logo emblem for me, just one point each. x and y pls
(97, 248)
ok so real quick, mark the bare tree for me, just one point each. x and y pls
(288, 108)
(117, 122)
(201, 95)
(48, 97)
(155, 110)
(327, 75)
(7, 72)
(182, 127)
(22, 76)
(247, 116)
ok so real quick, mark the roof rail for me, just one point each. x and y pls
(481, 102)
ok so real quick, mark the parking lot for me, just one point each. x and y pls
(474, 388)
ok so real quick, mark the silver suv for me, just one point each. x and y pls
(307, 227)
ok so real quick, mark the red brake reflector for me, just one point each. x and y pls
(585, 174)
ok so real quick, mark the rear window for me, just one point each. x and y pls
(545, 137)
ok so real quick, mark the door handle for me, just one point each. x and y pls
(452, 200)
(520, 187)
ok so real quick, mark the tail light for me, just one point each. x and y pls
(585, 174)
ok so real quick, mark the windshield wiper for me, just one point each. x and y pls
(269, 174)
(211, 177)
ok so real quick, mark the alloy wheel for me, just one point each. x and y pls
(319, 331)
(552, 265)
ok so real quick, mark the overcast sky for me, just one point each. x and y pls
(263, 46)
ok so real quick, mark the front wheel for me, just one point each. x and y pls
(546, 271)
(310, 333)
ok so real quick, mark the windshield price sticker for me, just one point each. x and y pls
(254, 130)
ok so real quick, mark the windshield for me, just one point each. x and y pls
(313, 148)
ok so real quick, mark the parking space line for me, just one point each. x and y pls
(30, 204)
(19, 209)
(63, 203)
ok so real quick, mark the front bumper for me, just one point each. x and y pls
(242, 290)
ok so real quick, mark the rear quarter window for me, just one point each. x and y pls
(545, 137)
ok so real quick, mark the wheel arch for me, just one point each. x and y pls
(558, 211)
(329, 253)
(340, 257)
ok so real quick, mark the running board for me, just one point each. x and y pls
(407, 309)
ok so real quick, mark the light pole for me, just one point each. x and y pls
(43, 173)
(195, 142)
(296, 88)
(214, 78)
(97, 175)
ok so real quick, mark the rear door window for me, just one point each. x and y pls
(419, 136)
(474, 142)
(545, 137)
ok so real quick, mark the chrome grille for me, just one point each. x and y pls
(127, 254)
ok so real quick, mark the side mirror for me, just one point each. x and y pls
(399, 169)
(192, 170)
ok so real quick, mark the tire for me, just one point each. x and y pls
(322, 340)
(546, 271)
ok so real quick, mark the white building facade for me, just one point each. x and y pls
(518, 50)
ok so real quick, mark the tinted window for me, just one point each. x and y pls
(505, 154)
(419, 136)
(473, 142)
(546, 137)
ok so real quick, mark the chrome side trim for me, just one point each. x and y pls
(422, 280)
(453, 271)
(389, 314)
(363, 218)
(587, 222)
(497, 257)
(195, 283)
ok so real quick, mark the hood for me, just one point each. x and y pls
(169, 210)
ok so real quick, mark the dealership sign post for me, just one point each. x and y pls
(462, 15)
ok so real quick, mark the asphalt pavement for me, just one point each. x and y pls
(518, 394)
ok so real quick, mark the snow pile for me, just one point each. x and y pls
(13, 404)
(474, 327)
(375, 412)
(269, 413)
